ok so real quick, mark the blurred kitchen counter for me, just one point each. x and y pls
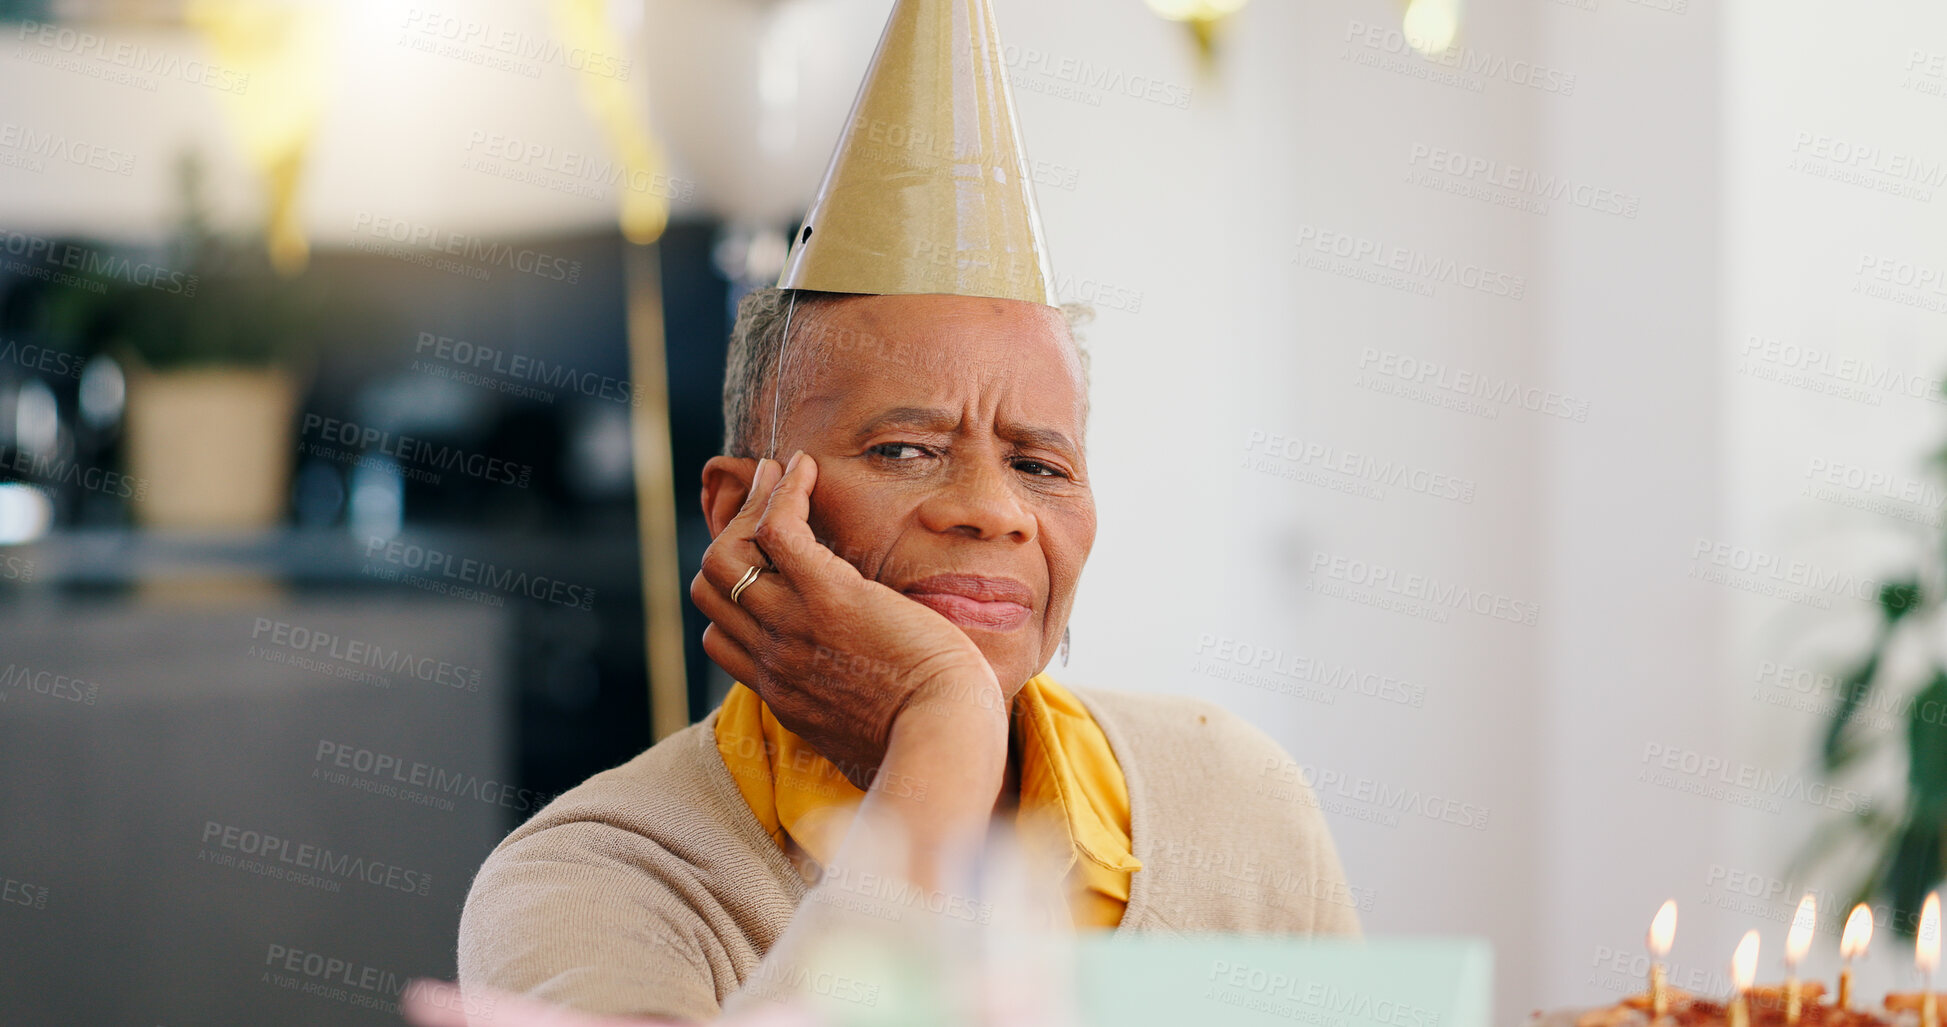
(219, 750)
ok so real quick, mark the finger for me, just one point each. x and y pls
(731, 655)
(713, 601)
(727, 559)
(732, 552)
(784, 531)
(761, 483)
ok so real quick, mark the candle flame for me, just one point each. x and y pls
(1663, 929)
(1858, 933)
(1926, 950)
(1804, 923)
(1744, 962)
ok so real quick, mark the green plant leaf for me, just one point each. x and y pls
(1840, 747)
(1913, 871)
(1926, 733)
(1914, 857)
(1896, 600)
(1899, 598)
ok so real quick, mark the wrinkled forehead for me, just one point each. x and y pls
(861, 353)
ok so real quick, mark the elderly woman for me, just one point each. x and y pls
(928, 536)
(889, 599)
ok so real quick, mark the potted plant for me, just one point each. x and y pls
(212, 342)
(1902, 841)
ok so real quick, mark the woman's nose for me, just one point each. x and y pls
(981, 500)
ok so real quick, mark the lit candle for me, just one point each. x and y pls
(1663, 931)
(1852, 945)
(1926, 956)
(1798, 942)
(1744, 970)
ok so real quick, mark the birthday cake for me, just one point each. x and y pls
(1796, 1003)
(1765, 1007)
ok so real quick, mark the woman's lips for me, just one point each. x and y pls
(974, 613)
(974, 601)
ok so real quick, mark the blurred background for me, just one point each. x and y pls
(1529, 414)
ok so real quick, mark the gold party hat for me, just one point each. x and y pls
(928, 191)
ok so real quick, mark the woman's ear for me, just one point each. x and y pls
(726, 484)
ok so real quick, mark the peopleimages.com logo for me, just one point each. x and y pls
(356, 652)
(439, 568)
(120, 61)
(58, 363)
(471, 363)
(69, 263)
(321, 434)
(21, 893)
(471, 256)
(247, 848)
(1535, 188)
(49, 683)
(33, 148)
(1421, 594)
(396, 776)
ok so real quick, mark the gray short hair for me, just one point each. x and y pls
(757, 338)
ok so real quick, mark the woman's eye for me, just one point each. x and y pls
(898, 450)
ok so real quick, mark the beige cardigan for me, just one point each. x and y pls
(650, 889)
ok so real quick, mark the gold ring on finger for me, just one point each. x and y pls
(737, 590)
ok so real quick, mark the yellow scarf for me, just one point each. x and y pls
(1069, 776)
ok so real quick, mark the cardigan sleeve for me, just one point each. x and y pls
(1334, 906)
(1276, 812)
(582, 914)
(1231, 836)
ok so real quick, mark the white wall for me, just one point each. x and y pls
(1634, 661)
(1835, 170)
(1687, 113)
(1435, 807)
